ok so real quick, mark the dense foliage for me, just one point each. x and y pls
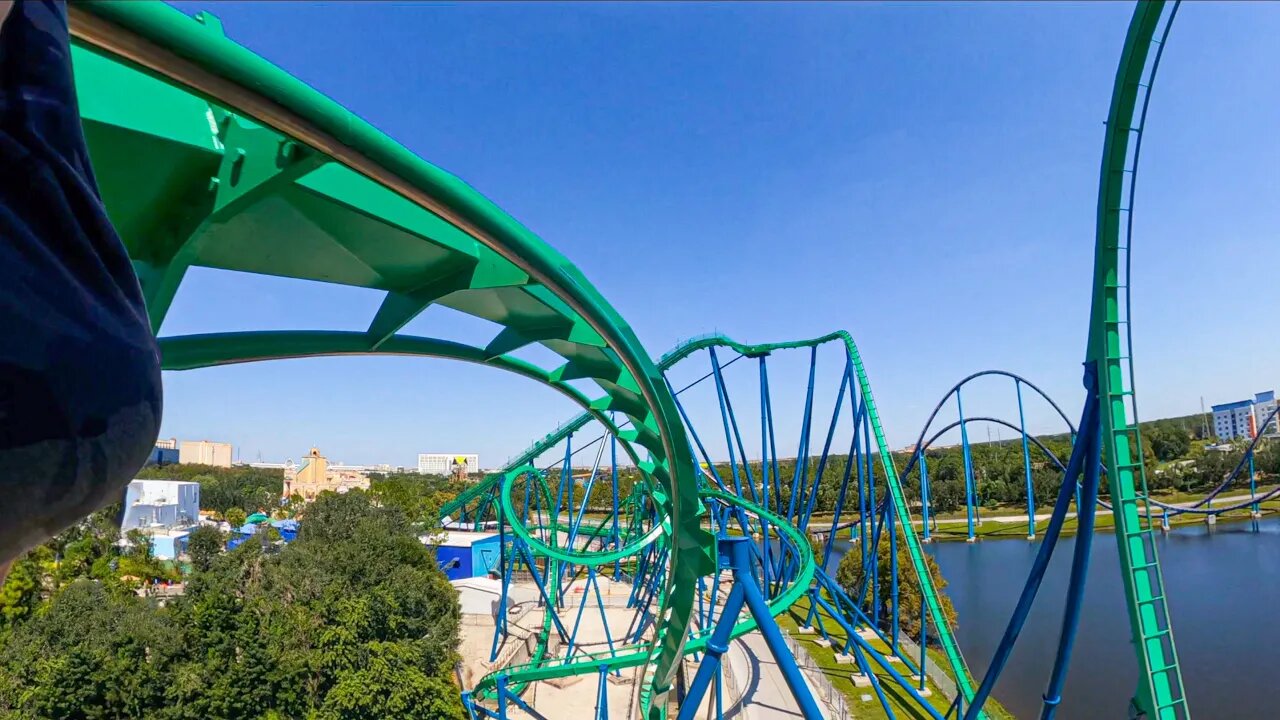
(351, 620)
(855, 580)
(247, 488)
(419, 497)
(1173, 448)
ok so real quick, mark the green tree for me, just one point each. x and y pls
(20, 592)
(1169, 443)
(235, 517)
(91, 653)
(352, 620)
(139, 545)
(851, 575)
(203, 546)
(391, 687)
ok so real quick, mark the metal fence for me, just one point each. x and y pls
(936, 673)
(834, 700)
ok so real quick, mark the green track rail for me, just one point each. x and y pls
(944, 634)
(1160, 691)
(628, 658)
(209, 156)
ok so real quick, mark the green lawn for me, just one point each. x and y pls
(903, 705)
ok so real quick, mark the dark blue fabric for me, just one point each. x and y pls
(80, 393)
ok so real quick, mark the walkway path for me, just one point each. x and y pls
(765, 693)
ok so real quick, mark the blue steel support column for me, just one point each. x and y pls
(1079, 560)
(764, 469)
(566, 480)
(613, 463)
(811, 501)
(739, 513)
(1026, 465)
(502, 697)
(968, 467)
(773, 444)
(893, 577)
(500, 626)
(924, 494)
(924, 643)
(861, 646)
(766, 427)
(724, 418)
(716, 648)
(850, 461)
(1079, 457)
(862, 498)
(873, 547)
(576, 523)
(1253, 486)
(469, 704)
(802, 457)
(602, 702)
(732, 425)
(739, 556)
(542, 592)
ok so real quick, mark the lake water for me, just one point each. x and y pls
(1224, 593)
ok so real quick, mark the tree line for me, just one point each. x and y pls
(1174, 450)
(351, 620)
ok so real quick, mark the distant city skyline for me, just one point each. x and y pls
(790, 170)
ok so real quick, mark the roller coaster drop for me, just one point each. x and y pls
(209, 156)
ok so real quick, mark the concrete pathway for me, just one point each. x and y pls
(765, 695)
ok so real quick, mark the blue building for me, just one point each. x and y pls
(468, 554)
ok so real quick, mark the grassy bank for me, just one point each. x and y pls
(951, 526)
(1103, 522)
(862, 701)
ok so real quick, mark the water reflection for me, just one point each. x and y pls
(1223, 583)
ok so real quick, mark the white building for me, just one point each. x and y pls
(1243, 418)
(443, 463)
(203, 452)
(1264, 403)
(164, 509)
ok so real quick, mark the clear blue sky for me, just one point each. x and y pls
(922, 175)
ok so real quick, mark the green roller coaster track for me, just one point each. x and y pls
(1160, 690)
(209, 156)
(669, 360)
